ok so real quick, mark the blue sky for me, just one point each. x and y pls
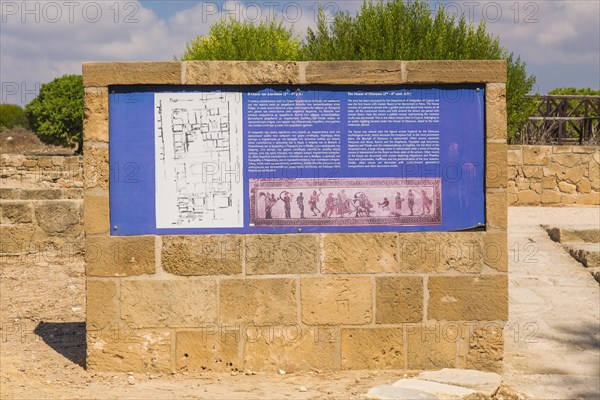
(41, 40)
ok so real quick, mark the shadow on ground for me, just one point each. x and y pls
(66, 338)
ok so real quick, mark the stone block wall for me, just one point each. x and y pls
(301, 301)
(553, 175)
(41, 207)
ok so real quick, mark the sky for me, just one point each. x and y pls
(42, 40)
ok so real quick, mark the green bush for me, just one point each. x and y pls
(56, 114)
(398, 30)
(575, 92)
(232, 40)
(12, 116)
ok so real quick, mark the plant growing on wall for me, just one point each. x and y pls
(56, 114)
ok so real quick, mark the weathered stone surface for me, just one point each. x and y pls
(372, 348)
(136, 350)
(207, 350)
(15, 212)
(576, 173)
(169, 303)
(336, 300)
(486, 383)
(584, 186)
(566, 187)
(537, 155)
(291, 348)
(567, 160)
(514, 156)
(95, 122)
(398, 299)
(465, 298)
(590, 199)
(495, 107)
(568, 199)
(440, 390)
(119, 255)
(495, 250)
(486, 348)
(440, 252)
(594, 174)
(533, 172)
(98, 74)
(241, 72)
(282, 254)
(496, 210)
(549, 182)
(528, 197)
(59, 217)
(202, 254)
(432, 345)
(360, 253)
(496, 165)
(101, 304)
(257, 301)
(550, 197)
(395, 393)
(96, 214)
(16, 238)
(95, 167)
(471, 71)
(354, 72)
(536, 187)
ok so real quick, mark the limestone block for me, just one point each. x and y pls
(536, 187)
(567, 199)
(95, 122)
(594, 174)
(514, 156)
(496, 210)
(551, 196)
(63, 217)
(207, 350)
(584, 186)
(496, 165)
(590, 199)
(133, 350)
(96, 214)
(336, 300)
(360, 253)
(291, 348)
(432, 345)
(202, 254)
(101, 305)
(441, 251)
(241, 72)
(466, 298)
(486, 347)
(537, 155)
(119, 255)
(168, 303)
(354, 72)
(495, 250)
(566, 187)
(16, 238)
(434, 71)
(495, 106)
(549, 182)
(533, 172)
(95, 167)
(528, 197)
(282, 254)
(15, 212)
(257, 301)
(373, 348)
(98, 74)
(398, 299)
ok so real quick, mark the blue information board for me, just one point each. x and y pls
(289, 159)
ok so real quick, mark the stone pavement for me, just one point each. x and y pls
(552, 338)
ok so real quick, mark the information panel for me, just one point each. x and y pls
(289, 159)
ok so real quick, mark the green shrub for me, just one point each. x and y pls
(56, 114)
(12, 116)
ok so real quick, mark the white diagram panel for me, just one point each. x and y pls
(198, 145)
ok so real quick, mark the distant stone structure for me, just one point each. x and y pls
(294, 302)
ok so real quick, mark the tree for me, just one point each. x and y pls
(56, 114)
(12, 116)
(398, 30)
(232, 40)
(575, 92)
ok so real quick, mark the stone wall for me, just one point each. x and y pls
(41, 207)
(301, 301)
(553, 175)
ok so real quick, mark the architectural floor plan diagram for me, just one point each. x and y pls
(198, 153)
